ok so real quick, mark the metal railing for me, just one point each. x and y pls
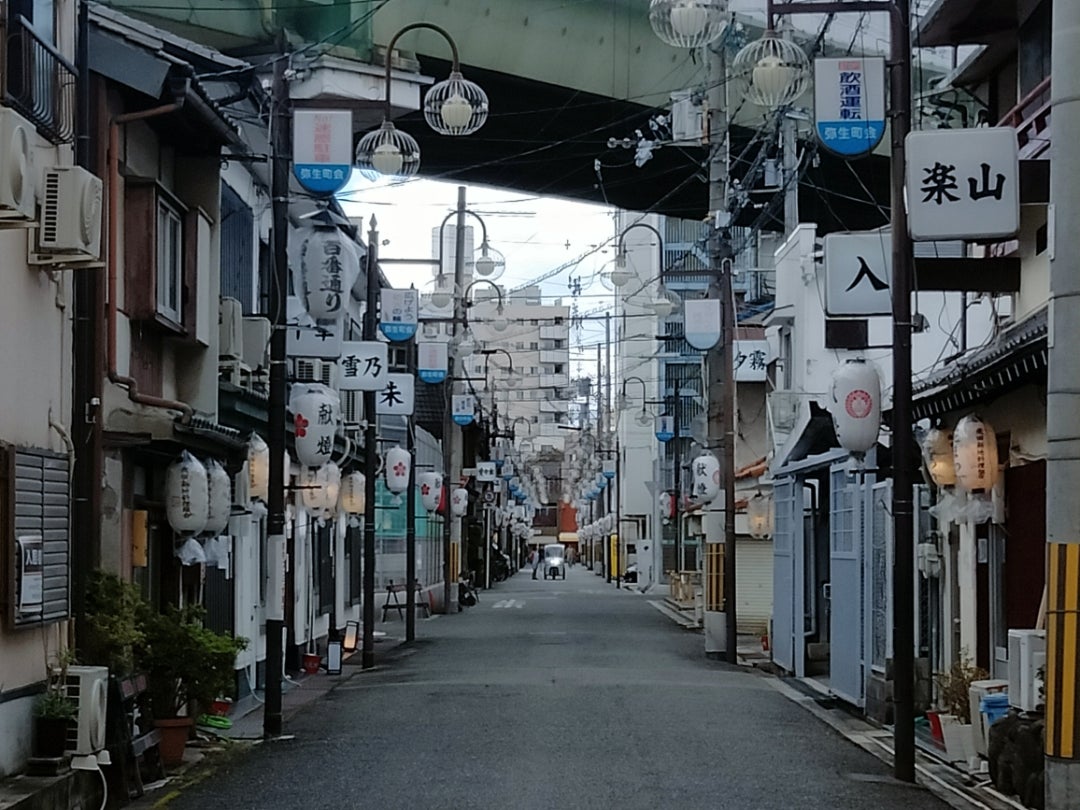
(1031, 119)
(39, 82)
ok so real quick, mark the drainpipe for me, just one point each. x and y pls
(114, 237)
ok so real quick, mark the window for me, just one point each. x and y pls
(170, 262)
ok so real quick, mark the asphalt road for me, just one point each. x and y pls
(555, 695)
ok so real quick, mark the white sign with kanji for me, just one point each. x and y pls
(750, 359)
(963, 184)
(322, 149)
(849, 104)
(363, 366)
(485, 471)
(396, 397)
(322, 341)
(398, 313)
(858, 273)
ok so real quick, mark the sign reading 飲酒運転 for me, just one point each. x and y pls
(963, 184)
(322, 149)
(849, 104)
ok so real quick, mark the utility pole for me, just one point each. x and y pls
(452, 449)
(410, 510)
(677, 450)
(277, 552)
(614, 559)
(1063, 426)
(371, 452)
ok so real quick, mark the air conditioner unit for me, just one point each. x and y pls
(1027, 653)
(352, 408)
(257, 343)
(230, 329)
(306, 369)
(687, 119)
(69, 229)
(16, 167)
(87, 687)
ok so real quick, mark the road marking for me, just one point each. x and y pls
(509, 603)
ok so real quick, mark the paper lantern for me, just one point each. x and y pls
(219, 498)
(667, 505)
(759, 514)
(316, 410)
(187, 495)
(430, 486)
(706, 469)
(975, 454)
(325, 266)
(856, 405)
(459, 502)
(321, 488)
(398, 462)
(354, 493)
(937, 453)
(258, 468)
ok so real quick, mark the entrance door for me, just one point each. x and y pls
(846, 674)
(787, 633)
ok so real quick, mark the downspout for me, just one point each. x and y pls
(114, 237)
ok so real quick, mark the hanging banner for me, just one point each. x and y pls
(398, 314)
(432, 361)
(322, 149)
(849, 104)
(665, 428)
(363, 366)
(702, 316)
(396, 398)
(464, 408)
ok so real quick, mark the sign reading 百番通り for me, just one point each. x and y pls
(849, 104)
(322, 149)
(963, 184)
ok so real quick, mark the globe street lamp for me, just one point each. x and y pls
(454, 106)
(620, 276)
(688, 23)
(777, 69)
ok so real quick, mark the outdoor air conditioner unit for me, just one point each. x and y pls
(16, 167)
(352, 408)
(69, 229)
(256, 343)
(230, 329)
(1027, 652)
(87, 687)
(687, 119)
(306, 369)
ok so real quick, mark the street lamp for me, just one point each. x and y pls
(778, 71)
(620, 276)
(499, 322)
(454, 106)
(665, 303)
(688, 23)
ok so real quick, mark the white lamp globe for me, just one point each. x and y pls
(456, 112)
(644, 418)
(688, 23)
(464, 344)
(663, 305)
(485, 265)
(620, 276)
(386, 159)
(499, 322)
(443, 293)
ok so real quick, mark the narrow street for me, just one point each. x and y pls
(555, 694)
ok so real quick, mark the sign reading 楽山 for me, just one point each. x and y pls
(432, 361)
(849, 104)
(858, 273)
(396, 397)
(485, 471)
(665, 428)
(963, 183)
(363, 366)
(323, 340)
(398, 313)
(463, 409)
(702, 317)
(322, 149)
(749, 359)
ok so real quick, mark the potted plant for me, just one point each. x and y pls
(113, 624)
(187, 667)
(954, 694)
(54, 711)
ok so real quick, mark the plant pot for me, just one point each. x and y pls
(50, 736)
(959, 742)
(173, 732)
(311, 663)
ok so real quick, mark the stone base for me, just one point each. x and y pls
(1015, 751)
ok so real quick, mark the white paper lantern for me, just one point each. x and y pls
(937, 452)
(856, 405)
(325, 266)
(759, 514)
(353, 493)
(975, 454)
(187, 495)
(316, 410)
(430, 486)
(321, 488)
(667, 505)
(398, 462)
(706, 469)
(258, 468)
(459, 502)
(219, 498)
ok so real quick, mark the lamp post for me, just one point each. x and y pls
(454, 106)
(772, 73)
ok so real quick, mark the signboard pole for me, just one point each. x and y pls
(371, 455)
(410, 513)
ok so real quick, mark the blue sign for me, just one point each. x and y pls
(431, 361)
(849, 104)
(665, 428)
(398, 314)
(322, 149)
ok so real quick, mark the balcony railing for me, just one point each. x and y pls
(1031, 119)
(39, 82)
